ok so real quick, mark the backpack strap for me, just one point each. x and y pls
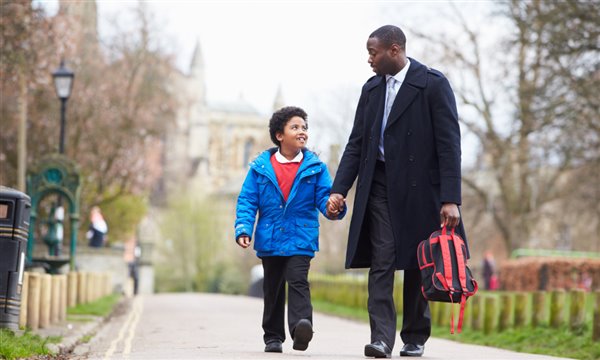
(462, 277)
(446, 257)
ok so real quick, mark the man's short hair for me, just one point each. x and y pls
(281, 117)
(390, 34)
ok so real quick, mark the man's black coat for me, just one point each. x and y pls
(422, 161)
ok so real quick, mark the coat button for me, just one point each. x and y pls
(411, 158)
(413, 183)
(409, 133)
(281, 229)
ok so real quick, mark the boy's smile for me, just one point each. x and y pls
(294, 137)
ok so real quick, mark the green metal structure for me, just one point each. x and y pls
(54, 174)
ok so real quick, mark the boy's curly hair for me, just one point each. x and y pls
(281, 117)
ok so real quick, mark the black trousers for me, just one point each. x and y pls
(416, 319)
(280, 270)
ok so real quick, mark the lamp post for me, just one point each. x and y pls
(63, 83)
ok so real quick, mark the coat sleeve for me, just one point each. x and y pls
(247, 206)
(350, 162)
(447, 138)
(322, 191)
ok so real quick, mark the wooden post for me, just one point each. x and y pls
(557, 308)
(444, 314)
(434, 308)
(24, 300)
(33, 301)
(577, 310)
(489, 320)
(45, 300)
(506, 305)
(81, 288)
(91, 285)
(71, 289)
(467, 314)
(476, 313)
(596, 324)
(520, 309)
(538, 308)
(62, 315)
(54, 299)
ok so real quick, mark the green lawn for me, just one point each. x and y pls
(540, 340)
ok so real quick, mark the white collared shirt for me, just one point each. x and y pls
(282, 160)
(400, 76)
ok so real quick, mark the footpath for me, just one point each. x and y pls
(212, 326)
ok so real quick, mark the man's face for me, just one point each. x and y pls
(381, 58)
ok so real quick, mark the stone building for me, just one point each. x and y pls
(208, 149)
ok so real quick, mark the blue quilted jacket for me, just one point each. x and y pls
(283, 228)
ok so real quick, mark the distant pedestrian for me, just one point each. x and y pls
(490, 278)
(98, 229)
(287, 186)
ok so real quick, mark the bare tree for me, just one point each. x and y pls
(119, 108)
(536, 120)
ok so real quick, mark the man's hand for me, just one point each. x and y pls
(243, 241)
(449, 215)
(335, 205)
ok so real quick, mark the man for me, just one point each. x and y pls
(405, 149)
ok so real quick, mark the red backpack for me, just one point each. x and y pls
(445, 276)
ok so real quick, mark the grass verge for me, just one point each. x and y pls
(539, 340)
(28, 345)
(17, 347)
(100, 307)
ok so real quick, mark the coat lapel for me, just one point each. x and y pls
(415, 81)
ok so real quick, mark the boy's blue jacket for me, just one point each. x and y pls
(283, 228)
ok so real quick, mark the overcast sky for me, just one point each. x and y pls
(314, 50)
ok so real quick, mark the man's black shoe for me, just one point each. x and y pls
(378, 349)
(274, 346)
(412, 350)
(303, 333)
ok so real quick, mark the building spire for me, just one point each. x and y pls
(197, 64)
(279, 102)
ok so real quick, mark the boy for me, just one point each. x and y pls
(286, 185)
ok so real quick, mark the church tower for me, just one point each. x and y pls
(279, 102)
(196, 74)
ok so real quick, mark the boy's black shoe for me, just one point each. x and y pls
(303, 333)
(274, 346)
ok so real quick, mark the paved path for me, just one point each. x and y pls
(209, 326)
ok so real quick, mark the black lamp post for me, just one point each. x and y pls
(63, 83)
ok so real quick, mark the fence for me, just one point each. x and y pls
(486, 311)
(45, 298)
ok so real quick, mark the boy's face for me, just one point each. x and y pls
(294, 136)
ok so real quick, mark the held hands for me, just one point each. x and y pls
(449, 215)
(243, 241)
(335, 205)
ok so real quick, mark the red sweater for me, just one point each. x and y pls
(285, 173)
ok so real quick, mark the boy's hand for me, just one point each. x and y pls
(243, 241)
(335, 205)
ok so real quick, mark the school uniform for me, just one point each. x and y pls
(287, 196)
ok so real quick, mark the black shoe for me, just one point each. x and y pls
(412, 350)
(274, 346)
(303, 333)
(378, 349)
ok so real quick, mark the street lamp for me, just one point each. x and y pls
(63, 83)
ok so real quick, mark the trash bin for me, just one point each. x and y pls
(15, 209)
